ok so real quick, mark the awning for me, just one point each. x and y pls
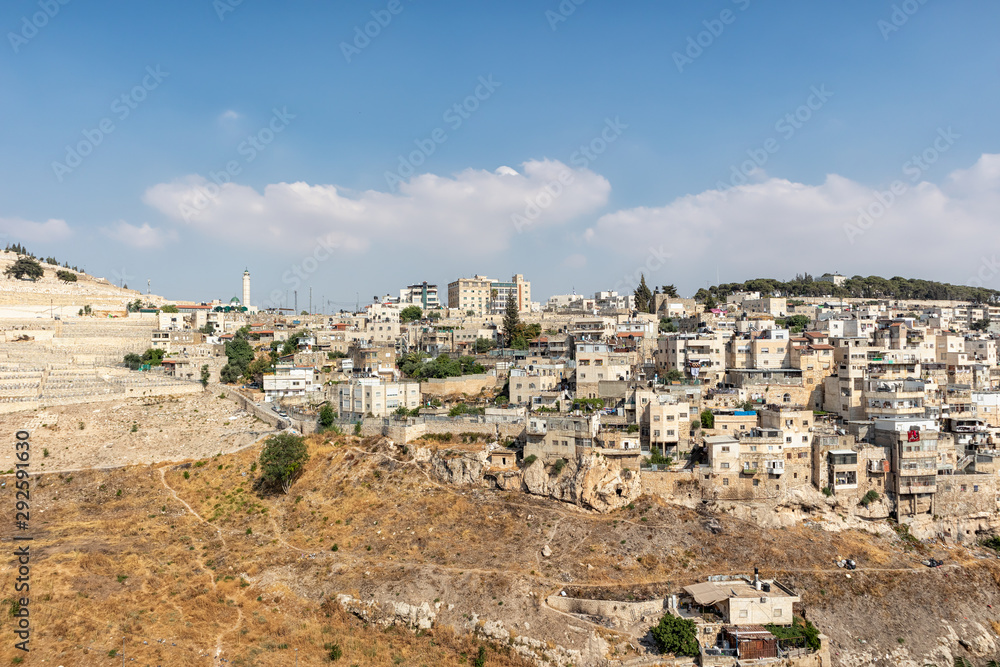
(706, 593)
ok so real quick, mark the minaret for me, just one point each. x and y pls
(246, 288)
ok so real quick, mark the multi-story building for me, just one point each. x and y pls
(421, 294)
(471, 295)
(912, 446)
(518, 288)
(289, 380)
(551, 438)
(484, 296)
(664, 423)
(698, 356)
(363, 396)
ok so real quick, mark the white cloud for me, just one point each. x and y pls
(777, 227)
(471, 210)
(229, 115)
(18, 229)
(139, 237)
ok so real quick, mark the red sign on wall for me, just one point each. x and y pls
(913, 435)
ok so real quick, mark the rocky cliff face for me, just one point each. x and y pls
(594, 482)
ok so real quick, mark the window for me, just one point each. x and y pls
(756, 482)
(724, 465)
(725, 481)
(725, 448)
(656, 418)
(777, 611)
(743, 612)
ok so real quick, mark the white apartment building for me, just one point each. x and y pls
(363, 396)
(289, 380)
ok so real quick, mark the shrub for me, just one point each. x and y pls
(869, 498)
(336, 653)
(558, 466)
(827, 491)
(528, 460)
(66, 276)
(187, 475)
(335, 548)
(676, 635)
(992, 543)
(480, 660)
(25, 267)
(282, 460)
(707, 419)
(326, 416)
(799, 628)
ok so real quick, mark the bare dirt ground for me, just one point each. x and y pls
(132, 431)
(193, 561)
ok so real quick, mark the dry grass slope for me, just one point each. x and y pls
(194, 555)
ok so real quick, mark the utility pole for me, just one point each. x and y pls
(310, 307)
(296, 293)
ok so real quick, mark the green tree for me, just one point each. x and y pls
(256, 369)
(798, 629)
(676, 635)
(230, 374)
(673, 375)
(797, 323)
(644, 301)
(169, 308)
(484, 345)
(707, 419)
(66, 276)
(670, 291)
(410, 314)
(240, 354)
(153, 357)
(205, 375)
(980, 325)
(133, 361)
(25, 267)
(511, 319)
(326, 416)
(283, 460)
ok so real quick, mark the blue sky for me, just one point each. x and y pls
(659, 196)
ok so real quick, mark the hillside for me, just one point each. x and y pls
(191, 560)
(24, 298)
(860, 287)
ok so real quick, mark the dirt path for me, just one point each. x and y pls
(208, 571)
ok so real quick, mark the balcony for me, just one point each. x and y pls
(775, 467)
